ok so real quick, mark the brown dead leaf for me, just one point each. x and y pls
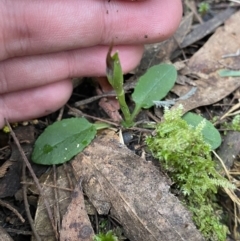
(42, 222)
(206, 28)
(4, 236)
(224, 41)
(208, 91)
(134, 191)
(76, 225)
(208, 60)
(4, 167)
(109, 104)
(156, 53)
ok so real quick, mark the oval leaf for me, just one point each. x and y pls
(210, 134)
(62, 140)
(154, 85)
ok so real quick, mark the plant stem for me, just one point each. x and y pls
(125, 110)
(135, 113)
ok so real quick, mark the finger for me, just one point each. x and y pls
(32, 71)
(34, 27)
(32, 103)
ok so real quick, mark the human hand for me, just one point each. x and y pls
(43, 44)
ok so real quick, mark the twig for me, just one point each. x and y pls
(231, 194)
(232, 54)
(180, 48)
(228, 191)
(94, 98)
(34, 178)
(235, 107)
(15, 211)
(57, 209)
(60, 114)
(26, 204)
(13, 230)
(49, 185)
(227, 66)
(97, 222)
(141, 129)
(68, 176)
(193, 8)
(223, 165)
(156, 119)
(127, 86)
(235, 221)
(77, 112)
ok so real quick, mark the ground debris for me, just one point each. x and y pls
(76, 224)
(134, 191)
(208, 61)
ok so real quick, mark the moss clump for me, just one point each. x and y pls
(109, 236)
(236, 123)
(187, 159)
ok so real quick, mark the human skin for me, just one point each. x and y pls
(43, 44)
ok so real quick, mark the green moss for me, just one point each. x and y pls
(187, 158)
(109, 236)
(6, 129)
(236, 123)
(203, 8)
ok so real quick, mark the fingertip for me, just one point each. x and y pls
(131, 58)
(34, 103)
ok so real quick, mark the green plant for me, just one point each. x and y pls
(186, 156)
(203, 8)
(210, 134)
(182, 144)
(236, 123)
(63, 139)
(229, 73)
(109, 236)
(153, 85)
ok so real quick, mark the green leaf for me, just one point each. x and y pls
(115, 77)
(114, 71)
(62, 140)
(154, 85)
(102, 125)
(229, 73)
(210, 134)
